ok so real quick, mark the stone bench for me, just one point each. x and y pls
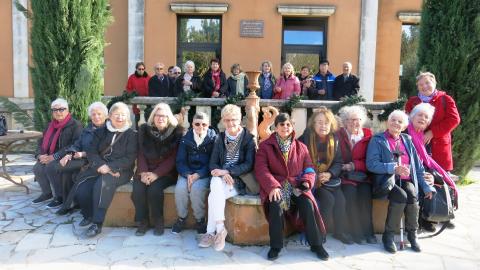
(244, 217)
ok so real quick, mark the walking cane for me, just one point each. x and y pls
(397, 154)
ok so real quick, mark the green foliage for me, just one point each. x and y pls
(67, 40)
(234, 99)
(124, 97)
(21, 116)
(450, 48)
(387, 110)
(347, 101)
(181, 101)
(292, 102)
(409, 60)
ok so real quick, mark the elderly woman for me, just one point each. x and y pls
(445, 119)
(353, 140)
(193, 181)
(288, 84)
(324, 150)
(237, 82)
(393, 153)
(233, 155)
(157, 148)
(189, 81)
(286, 175)
(266, 80)
(111, 159)
(420, 118)
(76, 158)
(60, 133)
(214, 81)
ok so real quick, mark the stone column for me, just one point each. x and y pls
(368, 45)
(135, 33)
(299, 116)
(20, 51)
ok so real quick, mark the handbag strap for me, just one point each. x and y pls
(109, 147)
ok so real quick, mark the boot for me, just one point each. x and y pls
(159, 227)
(142, 228)
(411, 225)
(395, 211)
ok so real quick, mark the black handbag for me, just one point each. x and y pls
(3, 125)
(440, 207)
(332, 184)
(382, 185)
(356, 176)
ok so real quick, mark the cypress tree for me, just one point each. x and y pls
(67, 40)
(450, 48)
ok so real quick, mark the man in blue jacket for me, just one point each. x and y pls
(324, 80)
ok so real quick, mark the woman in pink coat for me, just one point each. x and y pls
(284, 170)
(288, 84)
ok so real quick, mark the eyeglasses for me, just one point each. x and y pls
(285, 124)
(160, 116)
(158, 68)
(119, 115)
(140, 69)
(354, 119)
(201, 124)
(61, 110)
(231, 120)
(177, 73)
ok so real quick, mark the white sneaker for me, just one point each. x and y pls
(219, 242)
(206, 240)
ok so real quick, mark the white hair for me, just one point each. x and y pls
(188, 63)
(97, 106)
(231, 110)
(59, 101)
(120, 106)
(176, 68)
(288, 64)
(400, 114)
(172, 120)
(423, 107)
(347, 111)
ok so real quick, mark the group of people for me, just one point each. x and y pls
(320, 182)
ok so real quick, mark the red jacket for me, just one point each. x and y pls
(271, 170)
(289, 87)
(445, 120)
(357, 155)
(139, 84)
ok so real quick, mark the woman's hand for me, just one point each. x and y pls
(215, 94)
(429, 195)
(347, 167)
(104, 169)
(228, 179)
(219, 172)
(191, 178)
(277, 89)
(65, 160)
(187, 83)
(45, 159)
(402, 170)
(79, 155)
(427, 137)
(428, 178)
(324, 177)
(275, 195)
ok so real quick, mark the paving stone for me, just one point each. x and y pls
(90, 258)
(130, 253)
(150, 239)
(19, 258)
(33, 241)
(5, 252)
(54, 254)
(108, 244)
(18, 224)
(459, 264)
(9, 215)
(46, 228)
(128, 265)
(12, 237)
(64, 236)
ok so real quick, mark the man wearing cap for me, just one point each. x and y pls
(324, 80)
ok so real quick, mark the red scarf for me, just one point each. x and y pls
(216, 80)
(54, 127)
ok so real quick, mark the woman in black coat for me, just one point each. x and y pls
(189, 81)
(214, 81)
(111, 159)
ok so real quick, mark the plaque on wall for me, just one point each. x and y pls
(251, 28)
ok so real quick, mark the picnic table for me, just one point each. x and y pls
(10, 141)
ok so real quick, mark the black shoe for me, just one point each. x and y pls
(358, 240)
(201, 226)
(344, 238)
(55, 203)
(42, 198)
(159, 227)
(93, 230)
(412, 238)
(273, 253)
(62, 211)
(428, 226)
(388, 242)
(179, 225)
(322, 254)
(371, 239)
(142, 228)
(450, 225)
(84, 222)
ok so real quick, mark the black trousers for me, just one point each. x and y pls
(47, 177)
(150, 197)
(67, 175)
(359, 209)
(404, 194)
(332, 207)
(307, 214)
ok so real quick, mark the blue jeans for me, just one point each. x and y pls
(197, 195)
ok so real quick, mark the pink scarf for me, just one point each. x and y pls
(54, 127)
(427, 160)
(216, 80)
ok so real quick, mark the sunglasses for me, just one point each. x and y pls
(140, 69)
(58, 110)
(201, 124)
(177, 73)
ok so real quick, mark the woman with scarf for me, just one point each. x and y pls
(288, 84)
(214, 81)
(232, 156)
(76, 158)
(158, 141)
(111, 159)
(60, 133)
(307, 84)
(189, 81)
(266, 80)
(237, 82)
(138, 82)
(286, 175)
(392, 153)
(420, 118)
(326, 156)
(353, 140)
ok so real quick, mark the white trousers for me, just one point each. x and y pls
(220, 191)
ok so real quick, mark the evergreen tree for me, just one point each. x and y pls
(450, 48)
(67, 40)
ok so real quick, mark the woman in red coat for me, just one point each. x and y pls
(445, 119)
(284, 170)
(353, 140)
(138, 82)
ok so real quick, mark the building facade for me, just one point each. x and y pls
(366, 33)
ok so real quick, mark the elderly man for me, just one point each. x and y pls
(160, 85)
(346, 84)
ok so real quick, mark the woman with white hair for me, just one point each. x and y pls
(158, 141)
(392, 153)
(353, 140)
(111, 159)
(288, 84)
(60, 133)
(189, 81)
(76, 156)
